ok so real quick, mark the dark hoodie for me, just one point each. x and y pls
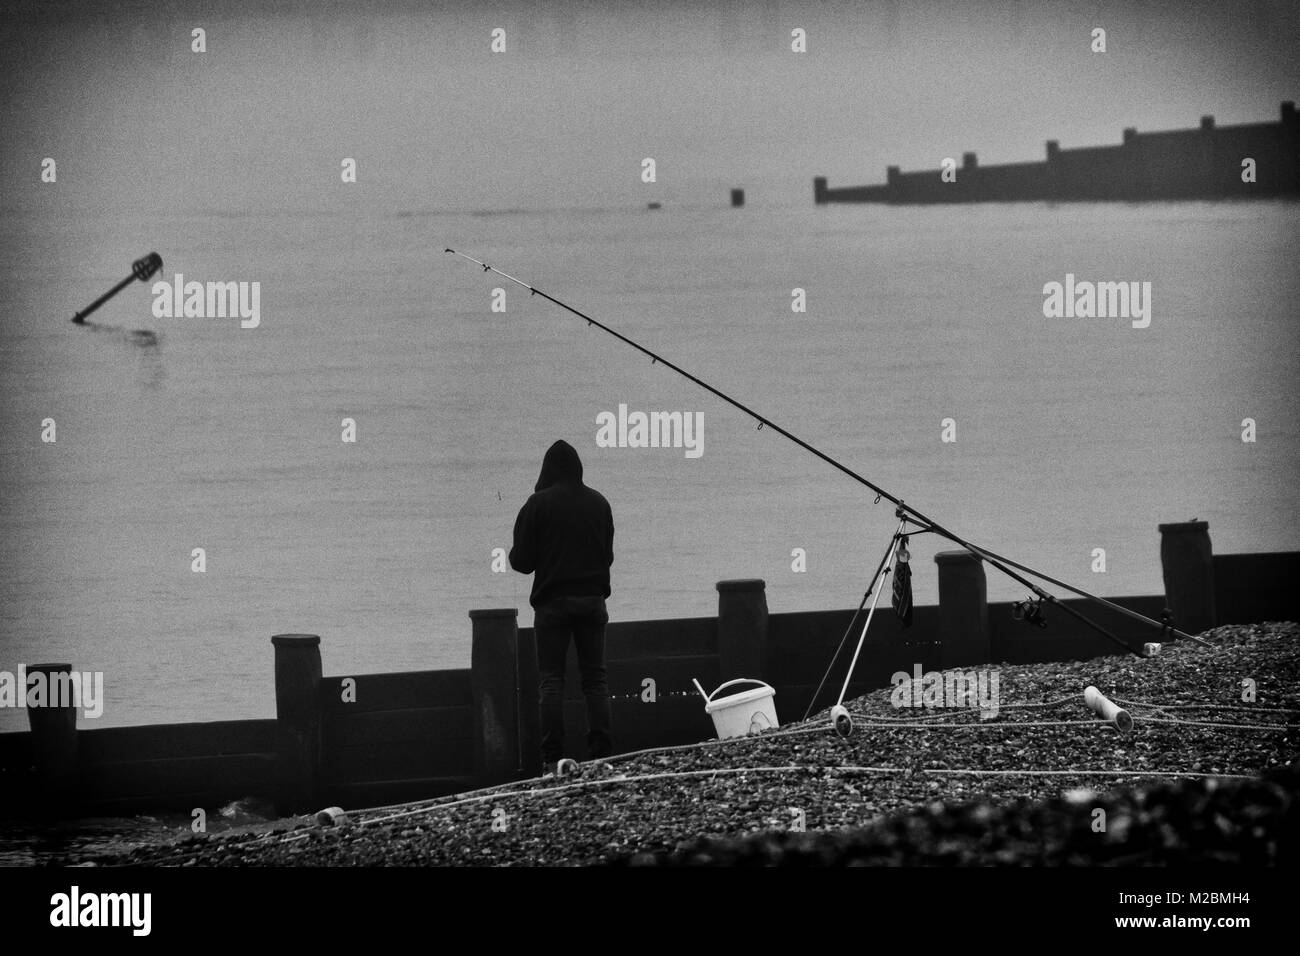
(564, 532)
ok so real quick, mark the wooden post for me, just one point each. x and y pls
(742, 629)
(529, 702)
(1187, 559)
(494, 683)
(53, 721)
(737, 198)
(963, 610)
(819, 190)
(1053, 169)
(297, 715)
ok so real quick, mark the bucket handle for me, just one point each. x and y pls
(738, 680)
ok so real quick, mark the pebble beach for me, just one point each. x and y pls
(1205, 775)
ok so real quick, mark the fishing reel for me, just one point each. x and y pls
(1030, 611)
(841, 720)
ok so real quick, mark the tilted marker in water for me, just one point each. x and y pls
(904, 512)
(141, 269)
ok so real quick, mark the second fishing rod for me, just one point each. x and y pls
(912, 514)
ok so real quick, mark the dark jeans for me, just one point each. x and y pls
(583, 619)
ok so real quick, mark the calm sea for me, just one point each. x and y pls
(1072, 434)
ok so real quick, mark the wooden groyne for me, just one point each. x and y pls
(372, 739)
(1209, 162)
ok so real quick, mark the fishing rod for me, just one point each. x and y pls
(141, 269)
(1034, 614)
(904, 511)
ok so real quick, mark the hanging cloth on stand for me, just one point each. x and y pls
(903, 585)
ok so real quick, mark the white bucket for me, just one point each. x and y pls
(748, 712)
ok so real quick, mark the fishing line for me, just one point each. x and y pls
(903, 510)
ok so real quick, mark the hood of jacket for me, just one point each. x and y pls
(561, 464)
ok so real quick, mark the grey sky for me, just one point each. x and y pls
(586, 90)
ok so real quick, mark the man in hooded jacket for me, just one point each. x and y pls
(564, 536)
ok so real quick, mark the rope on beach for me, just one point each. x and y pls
(1205, 723)
(447, 799)
(1074, 698)
(814, 768)
(985, 724)
(1175, 774)
(793, 768)
(1172, 718)
(1068, 699)
(932, 720)
(1149, 709)
(939, 713)
(529, 788)
(616, 758)
(508, 789)
(880, 721)
(454, 799)
(1261, 709)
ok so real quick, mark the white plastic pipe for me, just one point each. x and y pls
(1107, 709)
(332, 817)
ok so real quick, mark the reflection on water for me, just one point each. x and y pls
(146, 345)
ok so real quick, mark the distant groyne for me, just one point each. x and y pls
(359, 740)
(1251, 160)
